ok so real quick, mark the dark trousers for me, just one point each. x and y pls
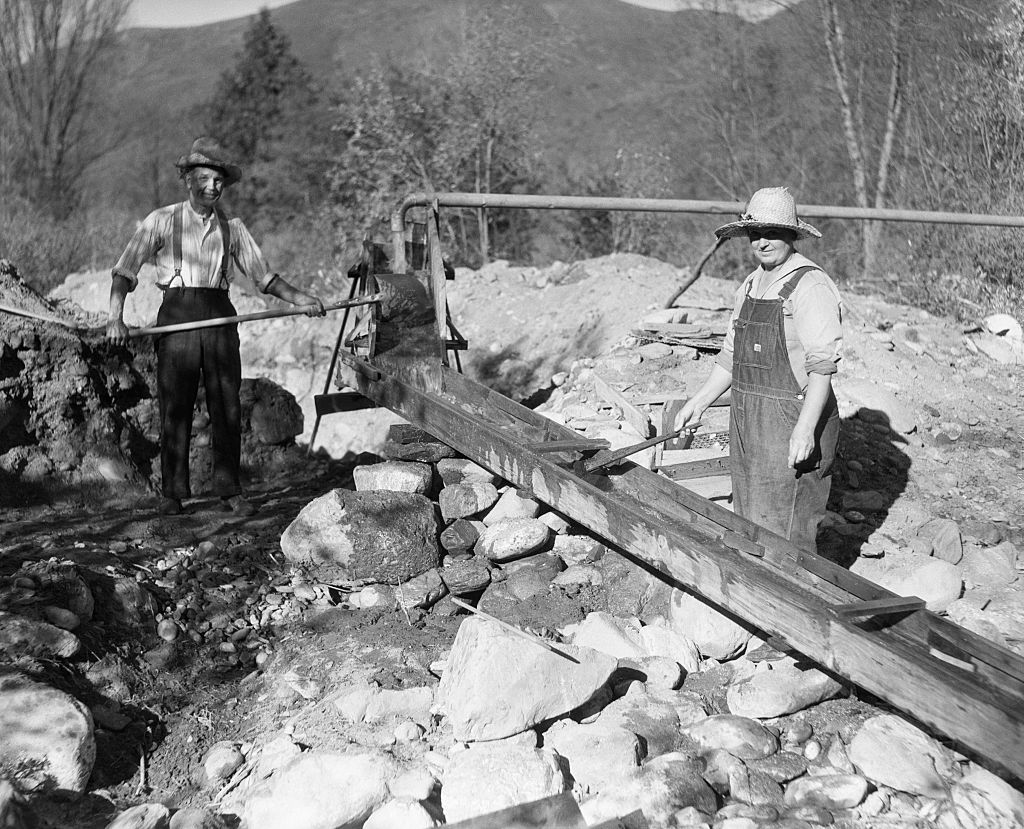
(181, 358)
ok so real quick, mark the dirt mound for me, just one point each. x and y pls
(80, 416)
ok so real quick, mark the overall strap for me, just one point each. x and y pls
(225, 237)
(794, 279)
(176, 223)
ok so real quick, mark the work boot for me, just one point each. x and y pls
(238, 505)
(169, 506)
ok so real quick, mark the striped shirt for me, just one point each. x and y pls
(202, 252)
(812, 318)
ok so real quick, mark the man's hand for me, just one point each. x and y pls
(316, 308)
(117, 331)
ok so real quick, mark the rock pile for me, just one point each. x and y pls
(671, 709)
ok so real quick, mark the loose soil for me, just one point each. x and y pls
(524, 326)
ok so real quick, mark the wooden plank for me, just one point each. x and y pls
(880, 607)
(696, 469)
(567, 445)
(639, 420)
(341, 401)
(886, 661)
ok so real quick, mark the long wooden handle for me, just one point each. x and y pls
(258, 315)
(604, 458)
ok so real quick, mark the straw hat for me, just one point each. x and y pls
(769, 207)
(207, 152)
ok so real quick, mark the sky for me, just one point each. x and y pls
(172, 13)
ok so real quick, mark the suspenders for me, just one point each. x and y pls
(794, 280)
(225, 235)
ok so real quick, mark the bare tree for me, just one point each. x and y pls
(50, 52)
(851, 102)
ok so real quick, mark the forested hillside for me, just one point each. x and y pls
(338, 108)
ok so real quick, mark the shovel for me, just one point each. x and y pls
(603, 459)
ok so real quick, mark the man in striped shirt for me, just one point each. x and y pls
(197, 252)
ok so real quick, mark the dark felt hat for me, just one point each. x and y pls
(207, 152)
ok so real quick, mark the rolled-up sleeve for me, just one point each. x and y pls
(817, 316)
(143, 247)
(249, 258)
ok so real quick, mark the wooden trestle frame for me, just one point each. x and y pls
(956, 682)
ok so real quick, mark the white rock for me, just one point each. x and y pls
(402, 814)
(41, 723)
(459, 470)
(597, 754)
(576, 549)
(980, 799)
(396, 476)
(465, 499)
(408, 732)
(556, 522)
(221, 761)
(832, 791)
(352, 704)
(660, 640)
(143, 816)
(660, 788)
(320, 790)
(715, 635)
(414, 784)
(741, 736)
(613, 635)
(512, 504)
(945, 538)
(938, 582)
(990, 566)
(1003, 325)
(579, 574)
(497, 684)
(412, 703)
(869, 395)
(481, 780)
(784, 689)
(647, 715)
(891, 752)
(512, 539)
(424, 590)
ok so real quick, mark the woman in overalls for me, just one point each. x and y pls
(780, 352)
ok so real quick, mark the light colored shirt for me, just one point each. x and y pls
(812, 318)
(202, 251)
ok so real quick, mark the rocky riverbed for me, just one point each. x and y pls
(314, 666)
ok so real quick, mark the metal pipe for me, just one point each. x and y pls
(814, 211)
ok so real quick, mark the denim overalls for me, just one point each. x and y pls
(766, 402)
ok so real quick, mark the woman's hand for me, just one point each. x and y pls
(691, 412)
(801, 445)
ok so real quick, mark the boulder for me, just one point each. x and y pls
(320, 790)
(512, 504)
(512, 539)
(274, 415)
(875, 402)
(659, 788)
(944, 537)
(741, 736)
(402, 813)
(784, 689)
(938, 582)
(891, 752)
(463, 470)
(715, 634)
(465, 499)
(832, 791)
(990, 566)
(531, 576)
(464, 578)
(484, 779)
(980, 799)
(460, 537)
(399, 703)
(27, 637)
(40, 723)
(143, 816)
(497, 684)
(598, 755)
(373, 536)
(647, 716)
(394, 476)
(424, 590)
